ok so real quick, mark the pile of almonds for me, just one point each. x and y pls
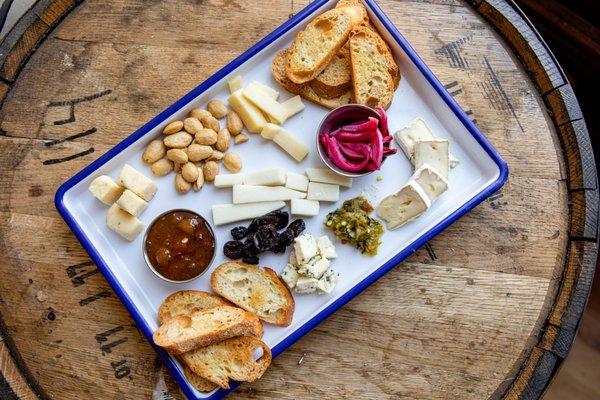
(193, 147)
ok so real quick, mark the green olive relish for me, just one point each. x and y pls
(351, 224)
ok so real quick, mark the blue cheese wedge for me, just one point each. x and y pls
(326, 248)
(328, 281)
(417, 131)
(293, 261)
(434, 152)
(315, 268)
(409, 203)
(289, 275)
(305, 285)
(305, 247)
(432, 182)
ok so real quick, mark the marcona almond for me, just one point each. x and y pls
(177, 155)
(232, 162)
(176, 167)
(192, 125)
(198, 152)
(210, 169)
(223, 139)
(200, 181)
(199, 113)
(206, 136)
(217, 108)
(211, 123)
(234, 123)
(240, 139)
(216, 156)
(173, 127)
(181, 185)
(189, 172)
(162, 167)
(179, 140)
(155, 151)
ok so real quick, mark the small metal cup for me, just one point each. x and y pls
(336, 118)
(145, 250)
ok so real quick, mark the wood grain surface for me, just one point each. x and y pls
(488, 309)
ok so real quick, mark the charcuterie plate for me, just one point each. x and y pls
(478, 173)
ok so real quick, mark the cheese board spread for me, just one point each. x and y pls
(303, 171)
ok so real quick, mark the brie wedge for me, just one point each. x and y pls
(409, 203)
(432, 182)
(435, 153)
(414, 132)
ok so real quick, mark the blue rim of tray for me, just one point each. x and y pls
(362, 285)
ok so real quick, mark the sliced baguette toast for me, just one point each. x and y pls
(305, 90)
(201, 384)
(186, 301)
(205, 327)
(231, 359)
(375, 74)
(257, 290)
(315, 46)
(336, 78)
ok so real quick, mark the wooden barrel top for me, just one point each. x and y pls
(488, 309)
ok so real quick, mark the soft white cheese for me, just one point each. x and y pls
(326, 248)
(324, 175)
(293, 261)
(254, 194)
(414, 132)
(409, 203)
(289, 275)
(315, 268)
(105, 189)
(296, 181)
(266, 177)
(435, 153)
(137, 182)
(123, 223)
(228, 180)
(432, 182)
(227, 213)
(307, 208)
(305, 247)
(305, 285)
(323, 192)
(132, 203)
(328, 281)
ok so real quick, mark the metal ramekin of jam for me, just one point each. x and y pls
(179, 246)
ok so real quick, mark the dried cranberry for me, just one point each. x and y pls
(233, 249)
(250, 260)
(297, 226)
(239, 232)
(266, 236)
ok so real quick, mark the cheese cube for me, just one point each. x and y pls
(254, 194)
(251, 116)
(105, 189)
(414, 132)
(323, 192)
(123, 223)
(409, 203)
(315, 268)
(137, 182)
(228, 180)
(289, 275)
(293, 106)
(256, 95)
(132, 203)
(305, 247)
(296, 181)
(266, 177)
(235, 84)
(226, 213)
(290, 145)
(326, 248)
(293, 261)
(325, 175)
(435, 153)
(308, 208)
(431, 181)
(305, 285)
(328, 281)
(268, 90)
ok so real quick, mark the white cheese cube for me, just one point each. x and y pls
(235, 84)
(325, 175)
(293, 105)
(123, 223)
(305, 285)
(293, 261)
(257, 96)
(328, 281)
(228, 180)
(435, 153)
(289, 275)
(227, 213)
(409, 203)
(268, 90)
(132, 203)
(414, 132)
(254, 194)
(137, 182)
(269, 131)
(432, 182)
(305, 247)
(290, 145)
(323, 192)
(308, 208)
(296, 181)
(105, 189)
(326, 248)
(315, 268)
(266, 177)
(251, 116)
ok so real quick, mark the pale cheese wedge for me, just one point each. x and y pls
(105, 189)
(253, 194)
(228, 180)
(132, 203)
(435, 153)
(409, 203)
(323, 192)
(268, 90)
(325, 175)
(256, 95)
(304, 207)
(291, 145)
(137, 182)
(251, 116)
(293, 106)
(123, 223)
(432, 182)
(266, 177)
(235, 84)
(416, 131)
(227, 213)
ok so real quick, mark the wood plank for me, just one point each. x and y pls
(51, 11)
(12, 384)
(22, 49)
(579, 155)
(584, 214)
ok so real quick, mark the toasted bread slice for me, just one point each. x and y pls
(186, 301)
(305, 90)
(201, 384)
(336, 78)
(231, 359)
(257, 290)
(204, 327)
(374, 72)
(315, 46)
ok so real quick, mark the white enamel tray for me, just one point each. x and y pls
(480, 173)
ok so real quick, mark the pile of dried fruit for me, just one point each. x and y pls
(261, 235)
